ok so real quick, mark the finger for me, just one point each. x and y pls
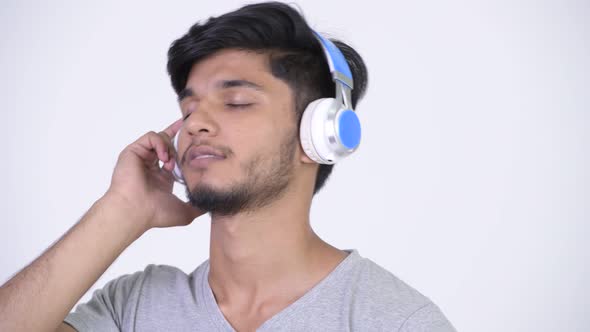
(154, 142)
(166, 173)
(161, 144)
(173, 128)
(169, 143)
(169, 165)
(163, 148)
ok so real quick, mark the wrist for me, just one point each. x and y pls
(123, 213)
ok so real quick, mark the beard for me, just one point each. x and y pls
(266, 180)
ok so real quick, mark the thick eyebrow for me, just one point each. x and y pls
(186, 92)
(225, 84)
(238, 83)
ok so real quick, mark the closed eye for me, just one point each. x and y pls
(230, 105)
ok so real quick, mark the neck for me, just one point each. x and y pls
(256, 255)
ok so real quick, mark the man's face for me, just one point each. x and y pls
(241, 129)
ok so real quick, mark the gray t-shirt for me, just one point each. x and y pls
(358, 295)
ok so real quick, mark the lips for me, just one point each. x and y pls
(204, 152)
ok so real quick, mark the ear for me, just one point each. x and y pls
(303, 157)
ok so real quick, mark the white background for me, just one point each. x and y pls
(471, 183)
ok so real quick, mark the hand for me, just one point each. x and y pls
(144, 187)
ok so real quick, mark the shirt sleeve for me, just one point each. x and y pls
(428, 318)
(108, 306)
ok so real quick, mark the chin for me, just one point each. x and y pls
(208, 183)
(219, 200)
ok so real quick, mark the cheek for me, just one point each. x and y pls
(254, 135)
(259, 133)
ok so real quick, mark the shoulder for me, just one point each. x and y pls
(114, 306)
(126, 284)
(163, 272)
(158, 277)
(381, 291)
(383, 301)
(157, 272)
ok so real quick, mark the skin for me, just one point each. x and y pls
(262, 258)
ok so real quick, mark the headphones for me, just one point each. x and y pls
(330, 129)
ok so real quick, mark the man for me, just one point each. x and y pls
(243, 80)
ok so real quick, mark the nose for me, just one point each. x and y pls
(200, 124)
(201, 121)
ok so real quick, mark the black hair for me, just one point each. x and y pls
(295, 55)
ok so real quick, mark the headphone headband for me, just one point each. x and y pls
(341, 73)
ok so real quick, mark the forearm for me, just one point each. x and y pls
(40, 296)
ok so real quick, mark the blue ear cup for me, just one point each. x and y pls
(330, 129)
(176, 172)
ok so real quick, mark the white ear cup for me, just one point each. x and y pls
(176, 172)
(316, 128)
(328, 132)
(305, 132)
